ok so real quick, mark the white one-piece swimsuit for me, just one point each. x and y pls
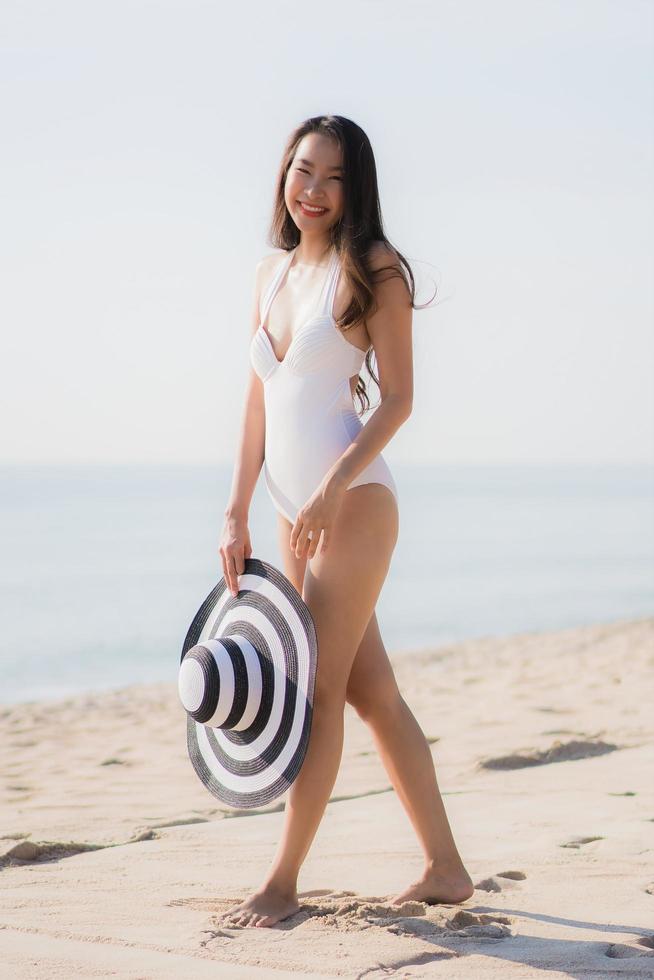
(310, 413)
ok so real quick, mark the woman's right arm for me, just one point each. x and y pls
(235, 544)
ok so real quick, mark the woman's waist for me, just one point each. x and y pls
(320, 388)
(313, 434)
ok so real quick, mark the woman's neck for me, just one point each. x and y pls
(315, 254)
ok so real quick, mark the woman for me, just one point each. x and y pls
(336, 500)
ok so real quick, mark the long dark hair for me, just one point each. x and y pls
(360, 225)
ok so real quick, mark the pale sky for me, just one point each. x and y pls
(514, 143)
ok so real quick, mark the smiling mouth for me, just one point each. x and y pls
(310, 209)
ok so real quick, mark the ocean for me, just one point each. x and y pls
(103, 567)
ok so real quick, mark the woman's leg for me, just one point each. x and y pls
(340, 588)
(373, 692)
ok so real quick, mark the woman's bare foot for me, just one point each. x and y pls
(264, 907)
(448, 886)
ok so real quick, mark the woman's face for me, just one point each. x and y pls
(315, 177)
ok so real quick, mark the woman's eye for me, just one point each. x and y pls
(302, 171)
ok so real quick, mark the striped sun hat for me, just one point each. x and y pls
(246, 681)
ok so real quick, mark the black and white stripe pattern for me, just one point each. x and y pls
(246, 680)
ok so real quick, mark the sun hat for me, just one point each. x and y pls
(246, 680)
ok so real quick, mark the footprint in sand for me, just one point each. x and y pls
(562, 731)
(33, 852)
(546, 709)
(639, 946)
(558, 752)
(466, 924)
(580, 841)
(484, 924)
(493, 885)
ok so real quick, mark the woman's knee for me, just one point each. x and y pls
(381, 701)
(328, 698)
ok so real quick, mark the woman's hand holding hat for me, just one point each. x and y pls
(235, 547)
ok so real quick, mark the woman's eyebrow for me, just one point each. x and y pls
(310, 164)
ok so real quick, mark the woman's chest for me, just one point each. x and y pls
(299, 301)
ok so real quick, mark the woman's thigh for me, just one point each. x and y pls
(372, 687)
(341, 586)
(292, 567)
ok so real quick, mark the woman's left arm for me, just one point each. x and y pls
(389, 329)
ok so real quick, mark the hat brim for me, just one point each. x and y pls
(251, 766)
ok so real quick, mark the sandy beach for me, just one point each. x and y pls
(116, 860)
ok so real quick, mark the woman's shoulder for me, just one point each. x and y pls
(270, 260)
(266, 266)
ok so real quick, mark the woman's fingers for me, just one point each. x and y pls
(236, 568)
(235, 549)
(308, 541)
(304, 540)
(305, 537)
(230, 571)
(295, 533)
(313, 547)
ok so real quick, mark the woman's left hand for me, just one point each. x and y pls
(317, 517)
